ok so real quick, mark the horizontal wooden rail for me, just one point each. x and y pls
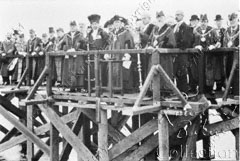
(141, 51)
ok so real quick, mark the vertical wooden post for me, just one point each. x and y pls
(30, 150)
(28, 80)
(163, 136)
(201, 70)
(236, 135)
(206, 140)
(110, 85)
(103, 136)
(49, 77)
(54, 141)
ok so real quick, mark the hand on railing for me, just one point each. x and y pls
(34, 53)
(199, 47)
(211, 47)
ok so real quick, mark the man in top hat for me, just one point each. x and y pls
(52, 37)
(219, 71)
(205, 38)
(7, 48)
(33, 48)
(231, 39)
(183, 36)
(193, 59)
(74, 66)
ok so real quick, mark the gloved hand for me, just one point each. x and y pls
(218, 45)
(199, 47)
(211, 47)
(34, 53)
(126, 57)
(107, 56)
(41, 53)
(3, 54)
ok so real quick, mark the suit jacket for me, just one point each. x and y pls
(183, 36)
(101, 41)
(145, 35)
(205, 39)
(77, 41)
(34, 45)
(164, 36)
(235, 37)
(220, 35)
(8, 47)
(60, 43)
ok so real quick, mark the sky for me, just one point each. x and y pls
(41, 14)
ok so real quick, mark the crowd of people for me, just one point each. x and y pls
(70, 71)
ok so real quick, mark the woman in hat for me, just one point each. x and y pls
(122, 39)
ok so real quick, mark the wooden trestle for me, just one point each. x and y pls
(71, 118)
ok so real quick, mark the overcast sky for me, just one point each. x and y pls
(41, 14)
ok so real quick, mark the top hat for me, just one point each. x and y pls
(94, 18)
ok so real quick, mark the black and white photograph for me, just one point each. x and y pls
(119, 80)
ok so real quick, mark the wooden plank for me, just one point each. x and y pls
(229, 82)
(54, 142)
(103, 136)
(37, 84)
(115, 134)
(3, 129)
(67, 148)
(30, 136)
(68, 134)
(30, 147)
(134, 138)
(40, 130)
(9, 135)
(163, 138)
(32, 102)
(173, 87)
(144, 149)
(190, 146)
(220, 127)
(15, 91)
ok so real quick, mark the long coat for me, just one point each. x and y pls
(205, 39)
(183, 40)
(33, 45)
(8, 48)
(100, 41)
(74, 67)
(122, 39)
(164, 37)
(231, 39)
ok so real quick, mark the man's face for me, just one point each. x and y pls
(160, 19)
(117, 24)
(51, 34)
(194, 23)
(45, 39)
(82, 28)
(219, 23)
(110, 28)
(95, 25)
(73, 28)
(233, 22)
(60, 33)
(179, 17)
(146, 20)
(204, 24)
(32, 35)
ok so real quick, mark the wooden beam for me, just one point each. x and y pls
(32, 102)
(30, 147)
(40, 130)
(15, 91)
(134, 138)
(163, 138)
(67, 148)
(190, 146)
(146, 147)
(30, 136)
(54, 141)
(72, 139)
(103, 136)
